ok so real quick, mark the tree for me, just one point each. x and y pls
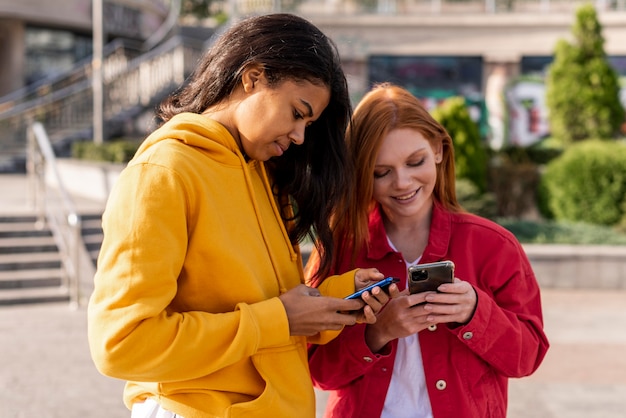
(582, 89)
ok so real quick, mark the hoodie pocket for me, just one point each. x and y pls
(288, 389)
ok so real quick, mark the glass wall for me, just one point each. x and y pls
(435, 78)
(51, 51)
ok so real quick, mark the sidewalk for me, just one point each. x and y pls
(46, 370)
(17, 194)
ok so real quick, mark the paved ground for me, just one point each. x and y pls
(46, 370)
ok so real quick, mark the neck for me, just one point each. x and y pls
(409, 235)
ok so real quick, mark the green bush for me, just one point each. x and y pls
(470, 154)
(473, 201)
(587, 183)
(118, 151)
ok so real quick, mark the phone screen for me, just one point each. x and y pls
(383, 284)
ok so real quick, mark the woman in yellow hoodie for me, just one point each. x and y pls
(198, 301)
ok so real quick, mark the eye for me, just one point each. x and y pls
(380, 174)
(416, 163)
(297, 114)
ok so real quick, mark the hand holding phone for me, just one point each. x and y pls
(383, 284)
(428, 277)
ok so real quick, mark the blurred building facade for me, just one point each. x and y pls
(46, 38)
(492, 52)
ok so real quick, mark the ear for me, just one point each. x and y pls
(251, 77)
(438, 150)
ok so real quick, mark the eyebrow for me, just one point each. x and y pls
(308, 106)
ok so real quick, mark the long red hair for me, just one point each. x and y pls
(384, 108)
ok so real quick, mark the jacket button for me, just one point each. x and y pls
(441, 384)
(468, 335)
(367, 359)
(432, 327)
(384, 369)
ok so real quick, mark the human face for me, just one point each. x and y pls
(405, 174)
(270, 119)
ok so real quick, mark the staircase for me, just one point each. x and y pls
(134, 82)
(91, 230)
(31, 268)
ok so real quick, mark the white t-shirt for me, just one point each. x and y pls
(407, 396)
(151, 409)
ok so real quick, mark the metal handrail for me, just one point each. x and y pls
(55, 206)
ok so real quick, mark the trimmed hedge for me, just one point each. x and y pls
(587, 183)
(569, 233)
(118, 151)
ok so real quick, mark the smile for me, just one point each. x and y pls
(406, 196)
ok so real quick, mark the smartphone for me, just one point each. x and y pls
(383, 284)
(425, 277)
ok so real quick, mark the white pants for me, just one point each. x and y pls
(151, 409)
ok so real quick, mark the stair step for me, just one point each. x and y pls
(94, 255)
(91, 222)
(17, 217)
(93, 238)
(18, 226)
(29, 257)
(33, 233)
(31, 269)
(33, 295)
(26, 275)
(30, 260)
(22, 244)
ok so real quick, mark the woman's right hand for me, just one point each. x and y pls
(310, 313)
(403, 315)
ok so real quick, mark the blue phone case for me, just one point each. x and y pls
(383, 284)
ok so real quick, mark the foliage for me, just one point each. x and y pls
(197, 8)
(538, 153)
(118, 151)
(470, 154)
(582, 89)
(551, 232)
(514, 184)
(473, 201)
(587, 183)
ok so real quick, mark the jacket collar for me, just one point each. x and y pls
(438, 240)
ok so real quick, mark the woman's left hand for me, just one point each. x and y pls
(454, 302)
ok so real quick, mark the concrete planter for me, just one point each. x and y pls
(578, 266)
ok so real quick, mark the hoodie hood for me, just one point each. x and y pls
(197, 131)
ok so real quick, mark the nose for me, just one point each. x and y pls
(297, 135)
(402, 179)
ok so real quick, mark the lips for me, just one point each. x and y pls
(406, 196)
(281, 148)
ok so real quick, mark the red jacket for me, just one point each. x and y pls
(466, 367)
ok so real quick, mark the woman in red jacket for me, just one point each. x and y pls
(452, 354)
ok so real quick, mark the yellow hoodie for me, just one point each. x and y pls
(194, 256)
